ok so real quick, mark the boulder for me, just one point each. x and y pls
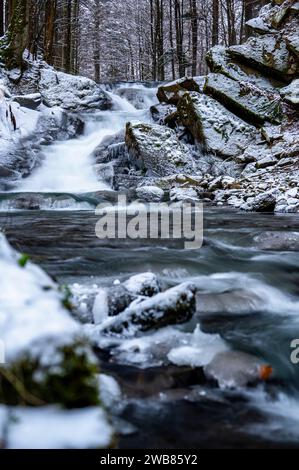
(71, 92)
(172, 92)
(150, 193)
(172, 307)
(236, 369)
(277, 241)
(220, 61)
(157, 151)
(264, 202)
(245, 99)
(268, 54)
(44, 346)
(146, 284)
(221, 132)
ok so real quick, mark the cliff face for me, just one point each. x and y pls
(246, 111)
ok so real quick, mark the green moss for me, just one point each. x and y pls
(72, 383)
(23, 260)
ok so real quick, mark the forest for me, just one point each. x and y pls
(115, 40)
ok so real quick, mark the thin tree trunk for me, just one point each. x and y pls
(215, 23)
(194, 30)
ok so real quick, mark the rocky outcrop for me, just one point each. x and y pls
(221, 132)
(245, 99)
(246, 114)
(157, 151)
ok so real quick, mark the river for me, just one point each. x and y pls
(248, 293)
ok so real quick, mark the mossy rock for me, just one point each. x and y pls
(245, 100)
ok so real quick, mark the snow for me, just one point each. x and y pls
(200, 351)
(110, 391)
(28, 297)
(141, 284)
(291, 92)
(100, 308)
(150, 193)
(54, 428)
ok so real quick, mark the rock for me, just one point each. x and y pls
(212, 125)
(157, 151)
(105, 172)
(245, 99)
(172, 92)
(111, 148)
(146, 284)
(277, 241)
(31, 101)
(44, 346)
(266, 162)
(291, 93)
(164, 114)
(219, 61)
(183, 195)
(71, 92)
(236, 369)
(269, 54)
(150, 193)
(173, 307)
(110, 302)
(264, 202)
(259, 26)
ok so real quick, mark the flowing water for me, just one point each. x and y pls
(248, 293)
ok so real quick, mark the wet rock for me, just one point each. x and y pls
(110, 302)
(112, 148)
(105, 172)
(269, 54)
(172, 92)
(146, 284)
(157, 151)
(236, 369)
(164, 114)
(245, 99)
(175, 306)
(211, 124)
(150, 193)
(278, 241)
(71, 92)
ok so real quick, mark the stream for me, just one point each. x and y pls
(248, 294)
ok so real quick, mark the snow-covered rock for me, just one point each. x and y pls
(172, 92)
(157, 151)
(220, 131)
(70, 92)
(269, 54)
(44, 345)
(245, 99)
(150, 193)
(146, 284)
(174, 306)
(291, 92)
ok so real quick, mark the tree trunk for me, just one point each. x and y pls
(178, 14)
(215, 24)
(50, 16)
(194, 33)
(15, 42)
